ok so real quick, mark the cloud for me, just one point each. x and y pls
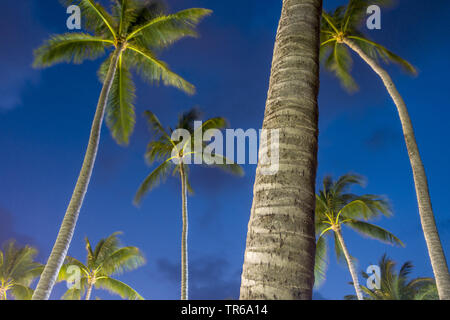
(382, 138)
(209, 278)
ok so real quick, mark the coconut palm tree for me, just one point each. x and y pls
(17, 270)
(106, 260)
(396, 285)
(175, 158)
(336, 208)
(340, 31)
(279, 255)
(134, 31)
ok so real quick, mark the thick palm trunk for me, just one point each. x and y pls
(184, 237)
(67, 229)
(350, 264)
(435, 251)
(279, 257)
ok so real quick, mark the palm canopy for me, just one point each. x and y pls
(138, 28)
(335, 207)
(162, 147)
(396, 285)
(106, 260)
(344, 23)
(17, 270)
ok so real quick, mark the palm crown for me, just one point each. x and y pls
(162, 147)
(17, 270)
(107, 259)
(344, 23)
(336, 207)
(396, 285)
(138, 29)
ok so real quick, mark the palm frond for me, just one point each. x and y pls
(374, 232)
(117, 287)
(164, 30)
(153, 70)
(377, 51)
(106, 247)
(21, 292)
(120, 114)
(153, 180)
(123, 259)
(321, 261)
(222, 163)
(69, 47)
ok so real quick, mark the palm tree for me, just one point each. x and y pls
(339, 31)
(17, 270)
(175, 159)
(106, 260)
(335, 208)
(279, 256)
(396, 285)
(134, 30)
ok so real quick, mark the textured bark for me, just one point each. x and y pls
(184, 237)
(351, 266)
(67, 229)
(280, 251)
(435, 251)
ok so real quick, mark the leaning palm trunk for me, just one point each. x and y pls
(67, 229)
(437, 256)
(351, 265)
(184, 236)
(279, 256)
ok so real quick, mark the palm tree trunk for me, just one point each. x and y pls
(280, 249)
(89, 290)
(435, 251)
(350, 264)
(67, 229)
(184, 237)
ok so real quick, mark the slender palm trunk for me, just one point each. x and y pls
(184, 237)
(67, 229)
(280, 249)
(435, 251)
(350, 264)
(89, 290)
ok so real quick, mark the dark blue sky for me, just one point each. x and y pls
(45, 117)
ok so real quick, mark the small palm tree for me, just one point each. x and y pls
(134, 30)
(340, 30)
(174, 157)
(17, 270)
(397, 286)
(108, 259)
(335, 208)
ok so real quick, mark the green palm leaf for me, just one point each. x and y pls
(166, 29)
(153, 180)
(123, 259)
(70, 47)
(117, 287)
(321, 261)
(373, 231)
(120, 114)
(154, 71)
